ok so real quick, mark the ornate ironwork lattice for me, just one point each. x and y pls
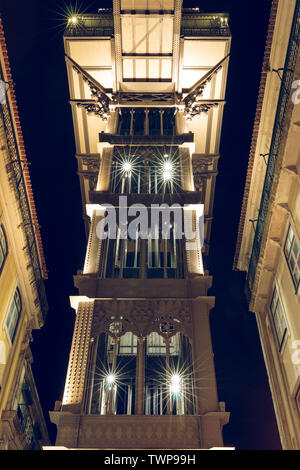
(283, 102)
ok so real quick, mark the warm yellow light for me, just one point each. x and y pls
(127, 167)
(167, 175)
(110, 379)
(168, 166)
(73, 19)
(175, 386)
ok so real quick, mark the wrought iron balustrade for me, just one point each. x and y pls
(14, 166)
(199, 24)
(91, 25)
(280, 118)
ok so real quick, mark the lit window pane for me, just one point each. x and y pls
(13, 315)
(291, 251)
(3, 247)
(278, 317)
(292, 263)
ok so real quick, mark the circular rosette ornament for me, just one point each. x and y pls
(168, 327)
(115, 329)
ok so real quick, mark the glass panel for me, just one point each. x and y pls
(291, 235)
(292, 262)
(113, 386)
(3, 247)
(2, 240)
(155, 344)
(128, 344)
(10, 313)
(13, 314)
(295, 249)
(158, 380)
(278, 317)
(17, 300)
(287, 247)
(274, 303)
(297, 276)
(12, 326)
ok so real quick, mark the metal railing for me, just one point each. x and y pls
(192, 24)
(199, 24)
(14, 167)
(280, 117)
(91, 25)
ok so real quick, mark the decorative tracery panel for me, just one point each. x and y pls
(141, 317)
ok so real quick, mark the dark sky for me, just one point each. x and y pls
(33, 32)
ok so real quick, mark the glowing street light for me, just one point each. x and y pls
(168, 166)
(175, 386)
(110, 379)
(73, 20)
(167, 175)
(127, 167)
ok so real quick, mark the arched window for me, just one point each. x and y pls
(13, 315)
(3, 247)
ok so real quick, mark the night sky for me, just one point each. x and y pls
(34, 30)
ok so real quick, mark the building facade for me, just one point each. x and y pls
(23, 304)
(147, 89)
(269, 232)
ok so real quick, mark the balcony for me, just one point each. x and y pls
(146, 139)
(92, 286)
(91, 25)
(194, 23)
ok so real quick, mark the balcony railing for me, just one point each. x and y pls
(31, 430)
(280, 118)
(14, 166)
(199, 24)
(192, 24)
(91, 25)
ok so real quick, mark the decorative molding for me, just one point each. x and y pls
(143, 432)
(93, 164)
(100, 106)
(193, 108)
(141, 317)
(154, 98)
(192, 101)
(96, 109)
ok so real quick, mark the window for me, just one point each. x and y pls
(292, 255)
(278, 317)
(151, 121)
(3, 247)
(148, 171)
(13, 315)
(164, 257)
(157, 346)
(128, 344)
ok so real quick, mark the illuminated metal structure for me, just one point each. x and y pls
(147, 87)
